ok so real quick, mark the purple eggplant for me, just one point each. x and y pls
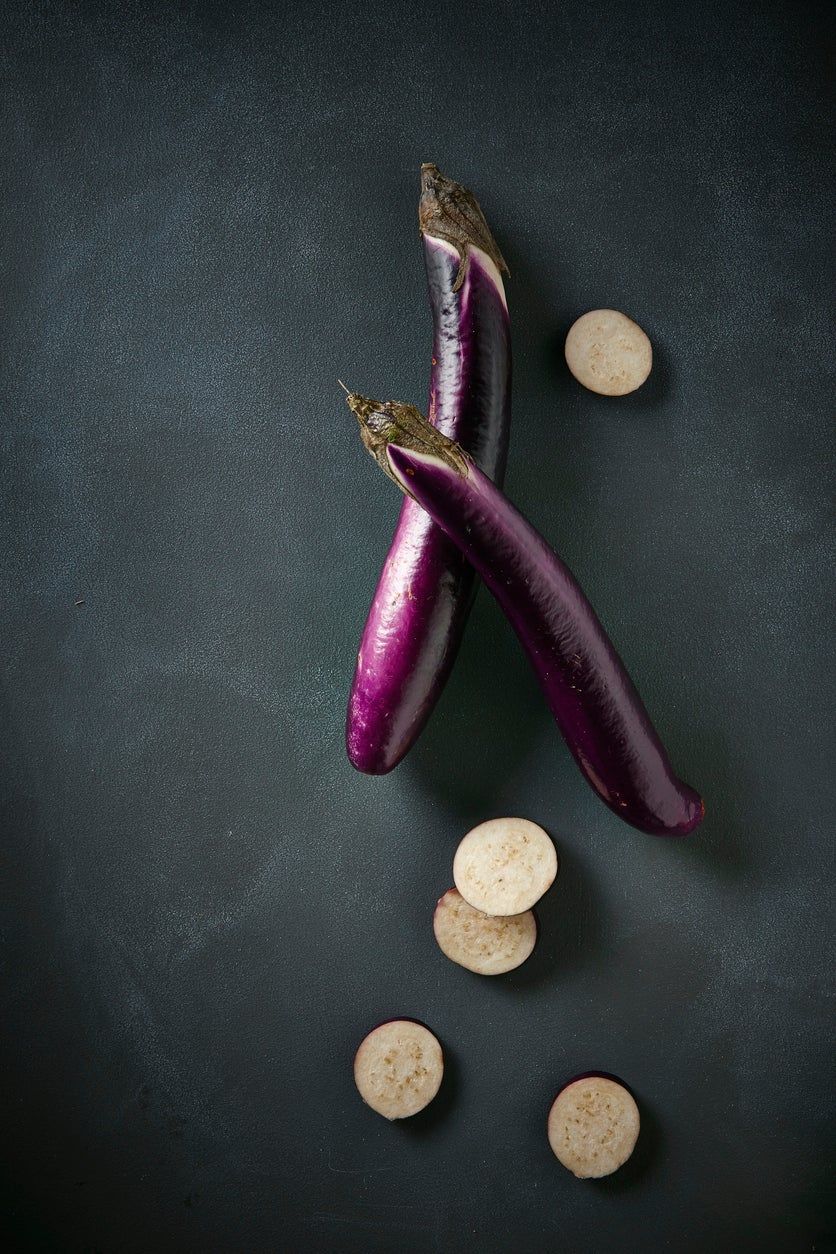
(588, 690)
(419, 610)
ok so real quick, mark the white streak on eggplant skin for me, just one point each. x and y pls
(428, 458)
(477, 257)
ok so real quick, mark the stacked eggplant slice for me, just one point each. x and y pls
(501, 870)
(456, 521)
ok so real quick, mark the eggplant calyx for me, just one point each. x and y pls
(450, 212)
(385, 423)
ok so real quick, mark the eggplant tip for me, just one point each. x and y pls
(695, 817)
(431, 176)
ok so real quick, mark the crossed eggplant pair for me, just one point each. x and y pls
(456, 522)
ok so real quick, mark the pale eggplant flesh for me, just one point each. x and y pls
(594, 702)
(421, 603)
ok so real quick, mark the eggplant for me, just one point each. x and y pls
(593, 1125)
(482, 943)
(398, 1068)
(588, 690)
(426, 587)
(504, 866)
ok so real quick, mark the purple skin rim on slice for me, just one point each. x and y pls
(398, 1019)
(594, 1075)
(426, 587)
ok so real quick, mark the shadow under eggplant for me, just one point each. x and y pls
(645, 1158)
(571, 927)
(425, 1122)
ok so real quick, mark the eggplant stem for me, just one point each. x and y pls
(392, 422)
(450, 212)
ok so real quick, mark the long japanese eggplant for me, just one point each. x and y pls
(589, 692)
(425, 590)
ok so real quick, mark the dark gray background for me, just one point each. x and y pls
(208, 213)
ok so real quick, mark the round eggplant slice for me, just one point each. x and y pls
(484, 943)
(504, 866)
(593, 1126)
(398, 1068)
(608, 352)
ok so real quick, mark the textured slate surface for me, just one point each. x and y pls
(208, 213)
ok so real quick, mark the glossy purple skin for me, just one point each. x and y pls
(589, 692)
(425, 590)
